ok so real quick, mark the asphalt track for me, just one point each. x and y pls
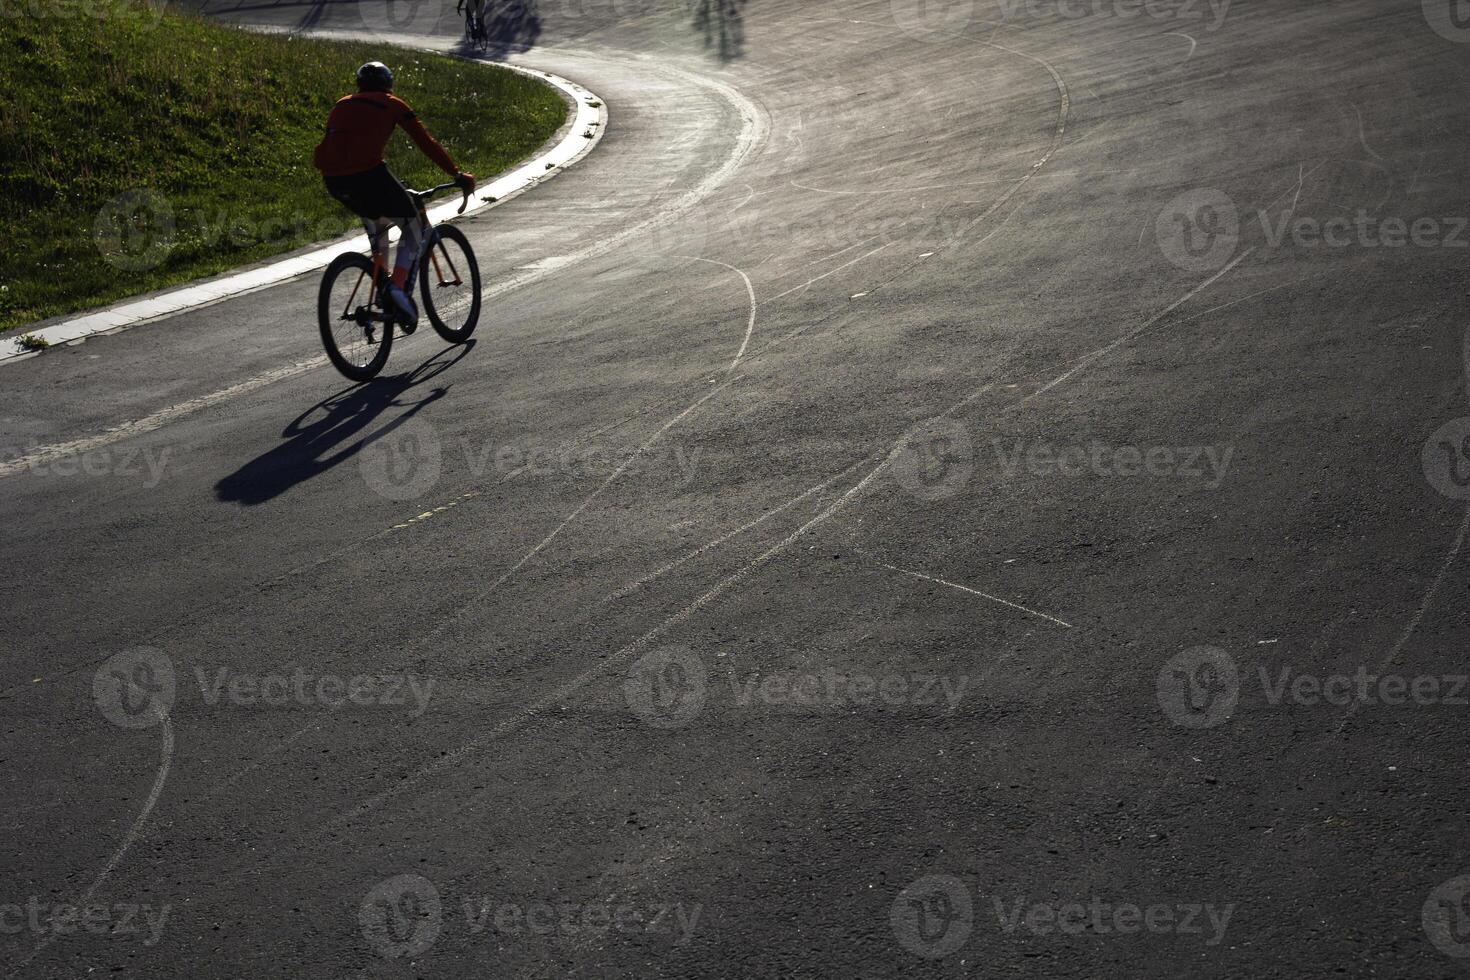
(773, 386)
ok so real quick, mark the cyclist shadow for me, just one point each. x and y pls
(316, 444)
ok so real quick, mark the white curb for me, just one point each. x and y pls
(588, 125)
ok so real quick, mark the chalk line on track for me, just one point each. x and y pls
(165, 763)
(750, 325)
(976, 592)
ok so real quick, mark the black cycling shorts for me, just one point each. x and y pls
(373, 194)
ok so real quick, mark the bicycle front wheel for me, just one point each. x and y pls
(355, 333)
(449, 279)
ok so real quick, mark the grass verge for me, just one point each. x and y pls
(142, 147)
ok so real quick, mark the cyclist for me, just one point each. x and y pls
(350, 158)
(475, 17)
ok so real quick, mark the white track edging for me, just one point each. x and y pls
(588, 125)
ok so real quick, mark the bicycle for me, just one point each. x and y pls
(474, 29)
(359, 336)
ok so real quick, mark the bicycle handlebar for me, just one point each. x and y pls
(422, 196)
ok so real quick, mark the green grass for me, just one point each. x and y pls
(209, 125)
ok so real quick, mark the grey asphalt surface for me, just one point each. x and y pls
(774, 387)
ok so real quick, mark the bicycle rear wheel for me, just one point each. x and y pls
(355, 333)
(449, 280)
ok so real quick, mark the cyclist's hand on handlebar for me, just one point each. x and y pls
(466, 184)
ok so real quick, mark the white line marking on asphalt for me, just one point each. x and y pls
(659, 573)
(1134, 333)
(1363, 136)
(148, 423)
(885, 191)
(831, 272)
(165, 762)
(1192, 42)
(966, 588)
(1063, 108)
(750, 325)
(561, 692)
(1424, 603)
(749, 194)
(622, 467)
(898, 447)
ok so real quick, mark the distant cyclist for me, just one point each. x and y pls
(350, 157)
(474, 17)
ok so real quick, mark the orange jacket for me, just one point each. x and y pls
(358, 128)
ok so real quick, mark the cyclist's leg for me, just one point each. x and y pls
(400, 210)
(377, 232)
(381, 201)
(361, 194)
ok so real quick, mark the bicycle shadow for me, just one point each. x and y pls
(312, 445)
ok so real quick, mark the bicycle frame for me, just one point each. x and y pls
(380, 267)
